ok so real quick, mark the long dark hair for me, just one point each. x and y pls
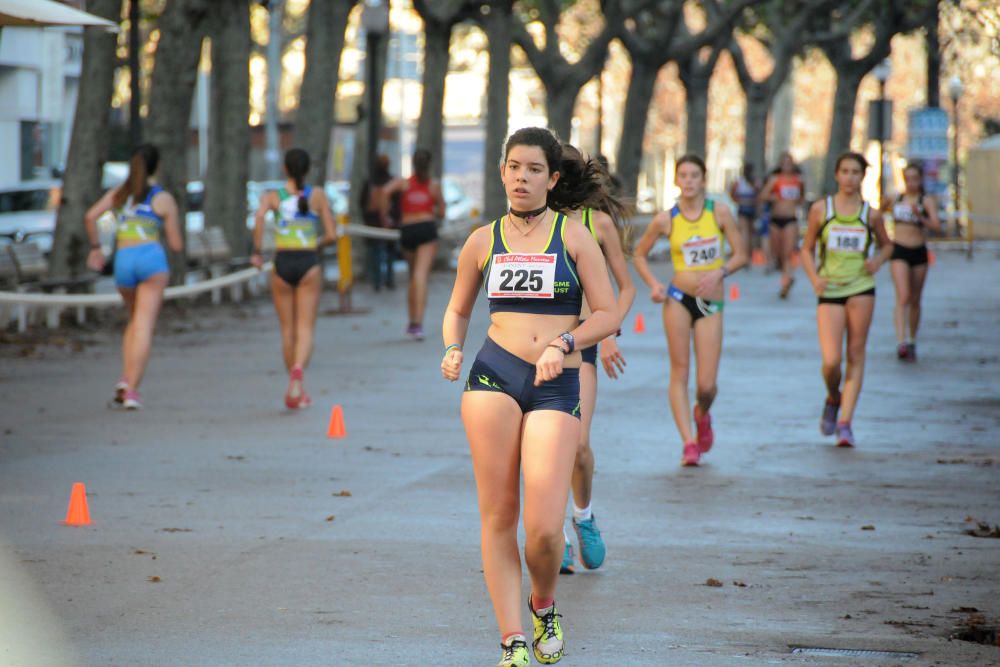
(297, 166)
(919, 168)
(584, 183)
(422, 164)
(145, 158)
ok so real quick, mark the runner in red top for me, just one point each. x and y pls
(786, 193)
(422, 206)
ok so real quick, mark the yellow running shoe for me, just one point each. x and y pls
(548, 644)
(515, 652)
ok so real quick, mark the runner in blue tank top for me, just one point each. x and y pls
(521, 402)
(146, 216)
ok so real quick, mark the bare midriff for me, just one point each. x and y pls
(526, 335)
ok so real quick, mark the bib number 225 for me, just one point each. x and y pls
(520, 280)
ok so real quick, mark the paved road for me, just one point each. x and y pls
(236, 506)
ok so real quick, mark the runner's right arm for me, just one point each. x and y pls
(468, 279)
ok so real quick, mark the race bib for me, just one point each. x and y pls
(903, 213)
(522, 276)
(701, 252)
(846, 239)
(789, 192)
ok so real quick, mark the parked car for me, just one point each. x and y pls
(28, 212)
(458, 206)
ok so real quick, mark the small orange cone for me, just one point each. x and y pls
(336, 428)
(78, 514)
(931, 257)
(640, 323)
(734, 292)
(757, 257)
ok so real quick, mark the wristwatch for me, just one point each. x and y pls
(567, 338)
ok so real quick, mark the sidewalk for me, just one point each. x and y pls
(236, 505)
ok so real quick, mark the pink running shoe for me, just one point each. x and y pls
(705, 435)
(132, 400)
(293, 400)
(692, 454)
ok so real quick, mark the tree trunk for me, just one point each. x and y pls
(175, 71)
(229, 132)
(560, 100)
(88, 145)
(430, 129)
(844, 100)
(755, 140)
(360, 169)
(933, 62)
(325, 28)
(697, 118)
(497, 109)
(640, 92)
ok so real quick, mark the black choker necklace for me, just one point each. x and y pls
(528, 215)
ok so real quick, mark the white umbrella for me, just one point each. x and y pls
(39, 13)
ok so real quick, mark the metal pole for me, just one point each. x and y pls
(273, 151)
(881, 141)
(374, 115)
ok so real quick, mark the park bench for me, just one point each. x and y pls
(208, 252)
(29, 270)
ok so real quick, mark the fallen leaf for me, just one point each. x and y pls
(154, 579)
(714, 583)
(739, 584)
(343, 494)
(984, 530)
(965, 610)
(869, 527)
(330, 518)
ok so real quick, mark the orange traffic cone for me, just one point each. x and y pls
(734, 292)
(336, 428)
(78, 514)
(640, 323)
(757, 257)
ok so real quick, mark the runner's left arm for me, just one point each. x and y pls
(872, 264)
(611, 243)
(322, 204)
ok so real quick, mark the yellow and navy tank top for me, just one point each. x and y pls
(588, 222)
(294, 230)
(138, 222)
(543, 282)
(844, 243)
(695, 245)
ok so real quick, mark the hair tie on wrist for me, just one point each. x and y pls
(453, 346)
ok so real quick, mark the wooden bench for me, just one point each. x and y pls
(209, 251)
(30, 269)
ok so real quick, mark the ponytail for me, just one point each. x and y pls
(297, 166)
(141, 166)
(586, 183)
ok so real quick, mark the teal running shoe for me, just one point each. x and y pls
(515, 652)
(591, 543)
(566, 567)
(548, 643)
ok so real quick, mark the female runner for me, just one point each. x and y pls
(145, 212)
(694, 300)
(843, 227)
(785, 192)
(297, 279)
(602, 215)
(521, 406)
(743, 192)
(422, 206)
(913, 213)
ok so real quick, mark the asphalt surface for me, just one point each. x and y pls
(223, 532)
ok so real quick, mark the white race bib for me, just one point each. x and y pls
(902, 212)
(789, 192)
(846, 239)
(522, 276)
(701, 252)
